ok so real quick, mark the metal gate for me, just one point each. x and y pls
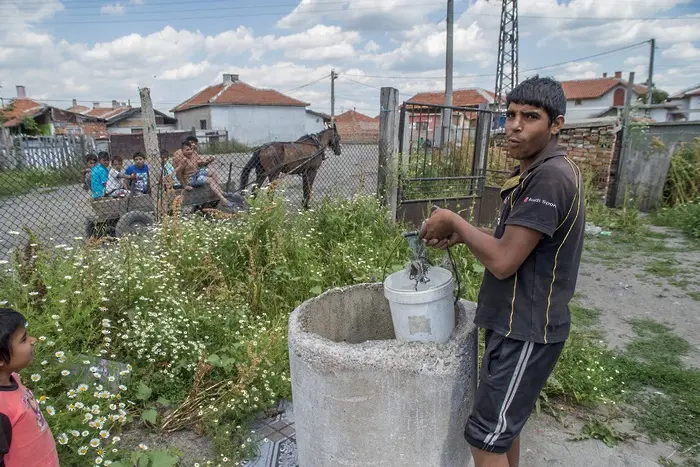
(442, 165)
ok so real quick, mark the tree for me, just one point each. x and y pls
(658, 96)
(30, 126)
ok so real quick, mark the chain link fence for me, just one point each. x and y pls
(54, 203)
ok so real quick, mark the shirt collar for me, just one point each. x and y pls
(551, 150)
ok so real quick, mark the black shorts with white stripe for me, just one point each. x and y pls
(512, 375)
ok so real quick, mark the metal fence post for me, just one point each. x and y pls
(481, 150)
(387, 175)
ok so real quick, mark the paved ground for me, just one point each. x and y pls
(57, 215)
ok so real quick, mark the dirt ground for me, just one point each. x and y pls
(625, 282)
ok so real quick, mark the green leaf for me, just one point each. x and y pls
(478, 267)
(214, 360)
(144, 392)
(228, 361)
(163, 401)
(316, 290)
(163, 459)
(150, 415)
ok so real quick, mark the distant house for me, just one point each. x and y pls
(252, 116)
(122, 118)
(355, 127)
(687, 103)
(426, 122)
(598, 97)
(316, 121)
(48, 120)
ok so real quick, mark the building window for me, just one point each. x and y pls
(202, 124)
(136, 131)
(578, 102)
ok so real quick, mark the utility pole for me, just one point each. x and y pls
(449, 52)
(620, 183)
(507, 62)
(650, 85)
(334, 76)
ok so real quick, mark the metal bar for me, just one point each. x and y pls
(430, 200)
(434, 179)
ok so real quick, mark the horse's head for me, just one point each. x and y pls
(332, 138)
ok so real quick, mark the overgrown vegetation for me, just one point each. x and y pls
(225, 147)
(682, 191)
(19, 182)
(187, 327)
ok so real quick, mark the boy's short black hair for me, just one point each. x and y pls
(187, 143)
(103, 156)
(139, 154)
(10, 321)
(164, 152)
(545, 93)
(192, 139)
(91, 157)
(117, 158)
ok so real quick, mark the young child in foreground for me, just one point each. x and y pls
(25, 437)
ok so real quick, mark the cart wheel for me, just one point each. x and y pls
(90, 229)
(132, 222)
(239, 203)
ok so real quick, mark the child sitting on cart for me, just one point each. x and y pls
(116, 180)
(169, 176)
(138, 174)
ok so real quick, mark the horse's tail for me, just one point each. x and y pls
(253, 163)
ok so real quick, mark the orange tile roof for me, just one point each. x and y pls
(238, 93)
(582, 89)
(107, 112)
(19, 109)
(78, 109)
(460, 97)
(353, 116)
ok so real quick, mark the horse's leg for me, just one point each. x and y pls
(307, 179)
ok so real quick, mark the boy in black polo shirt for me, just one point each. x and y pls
(531, 262)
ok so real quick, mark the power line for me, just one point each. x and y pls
(488, 75)
(307, 84)
(358, 82)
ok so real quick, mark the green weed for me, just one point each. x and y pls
(19, 182)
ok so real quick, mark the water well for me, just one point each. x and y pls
(363, 398)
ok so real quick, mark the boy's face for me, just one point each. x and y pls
(528, 130)
(117, 164)
(139, 161)
(104, 162)
(164, 158)
(187, 151)
(91, 164)
(22, 346)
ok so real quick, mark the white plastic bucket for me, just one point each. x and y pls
(426, 315)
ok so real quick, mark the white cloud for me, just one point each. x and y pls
(682, 51)
(136, 2)
(114, 10)
(186, 71)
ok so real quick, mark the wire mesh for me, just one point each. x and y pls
(56, 205)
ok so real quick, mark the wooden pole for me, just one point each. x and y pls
(150, 142)
(625, 147)
(387, 177)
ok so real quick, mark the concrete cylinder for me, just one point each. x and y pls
(362, 398)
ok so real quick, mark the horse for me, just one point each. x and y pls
(302, 157)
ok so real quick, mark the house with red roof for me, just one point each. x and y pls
(356, 127)
(251, 115)
(597, 97)
(122, 118)
(23, 115)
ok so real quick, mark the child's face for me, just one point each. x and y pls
(22, 345)
(164, 158)
(117, 165)
(104, 163)
(187, 151)
(139, 161)
(91, 164)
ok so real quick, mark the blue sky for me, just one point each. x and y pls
(98, 50)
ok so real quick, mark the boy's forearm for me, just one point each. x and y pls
(484, 246)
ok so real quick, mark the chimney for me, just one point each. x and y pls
(230, 78)
(618, 74)
(115, 104)
(95, 105)
(75, 102)
(605, 75)
(21, 92)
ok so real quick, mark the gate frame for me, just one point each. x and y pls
(478, 170)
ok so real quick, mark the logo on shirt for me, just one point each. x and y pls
(539, 200)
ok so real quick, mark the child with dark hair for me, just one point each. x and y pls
(169, 176)
(25, 437)
(531, 260)
(90, 162)
(116, 181)
(138, 173)
(99, 175)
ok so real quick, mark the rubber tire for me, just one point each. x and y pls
(90, 229)
(132, 222)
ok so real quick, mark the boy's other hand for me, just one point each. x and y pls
(439, 229)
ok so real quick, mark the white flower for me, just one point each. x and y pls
(51, 411)
(143, 446)
(60, 354)
(56, 317)
(94, 442)
(65, 373)
(36, 377)
(98, 460)
(104, 434)
(62, 438)
(82, 450)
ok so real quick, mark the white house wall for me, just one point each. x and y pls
(589, 108)
(190, 118)
(314, 123)
(255, 125)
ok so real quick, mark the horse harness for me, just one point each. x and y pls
(321, 150)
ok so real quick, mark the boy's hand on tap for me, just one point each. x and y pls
(439, 230)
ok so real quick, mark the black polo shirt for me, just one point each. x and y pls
(533, 304)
